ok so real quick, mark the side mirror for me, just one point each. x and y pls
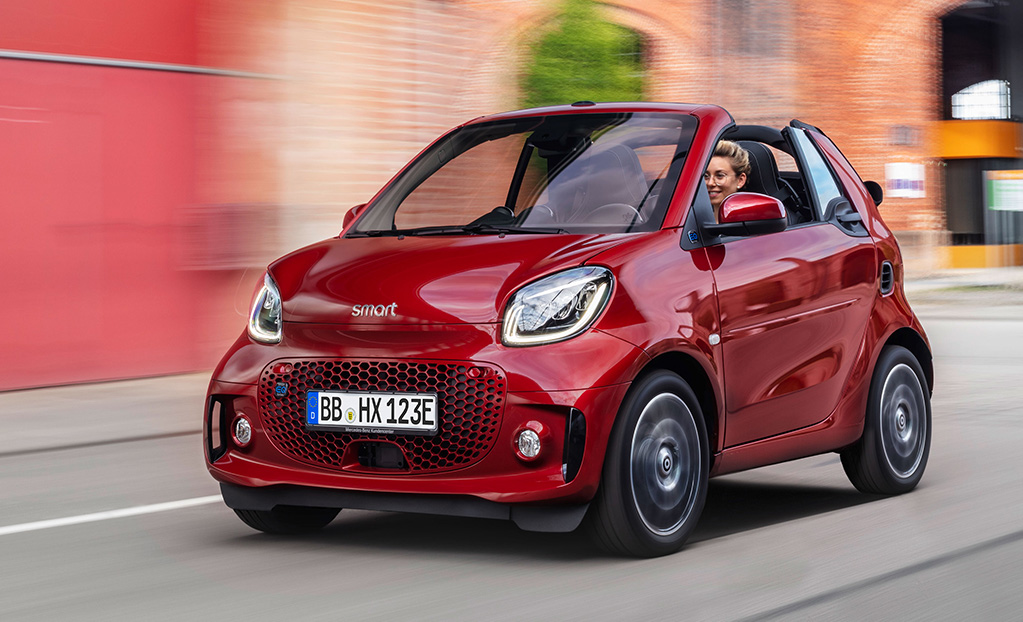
(875, 191)
(351, 215)
(749, 213)
(841, 210)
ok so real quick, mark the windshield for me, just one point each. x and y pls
(577, 173)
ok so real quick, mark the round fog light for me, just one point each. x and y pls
(242, 431)
(528, 444)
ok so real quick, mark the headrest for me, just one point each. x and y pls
(599, 177)
(616, 177)
(763, 176)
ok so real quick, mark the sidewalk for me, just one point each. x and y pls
(100, 413)
(972, 278)
(988, 294)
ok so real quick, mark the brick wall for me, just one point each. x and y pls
(368, 84)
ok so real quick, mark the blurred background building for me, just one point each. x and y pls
(154, 156)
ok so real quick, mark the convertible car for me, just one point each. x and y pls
(542, 318)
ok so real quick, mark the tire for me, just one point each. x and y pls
(654, 483)
(288, 519)
(890, 457)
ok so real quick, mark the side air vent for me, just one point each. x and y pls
(887, 278)
(217, 410)
(575, 442)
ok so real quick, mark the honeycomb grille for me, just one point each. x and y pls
(469, 408)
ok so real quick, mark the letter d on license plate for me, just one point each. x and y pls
(373, 413)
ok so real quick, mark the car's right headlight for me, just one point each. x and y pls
(556, 307)
(265, 319)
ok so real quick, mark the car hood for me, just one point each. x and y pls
(417, 280)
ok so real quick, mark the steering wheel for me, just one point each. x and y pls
(614, 214)
(540, 214)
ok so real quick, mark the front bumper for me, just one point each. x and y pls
(498, 476)
(566, 473)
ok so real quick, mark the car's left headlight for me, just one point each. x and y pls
(265, 318)
(556, 307)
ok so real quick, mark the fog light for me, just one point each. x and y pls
(528, 444)
(242, 431)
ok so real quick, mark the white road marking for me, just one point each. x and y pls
(98, 516)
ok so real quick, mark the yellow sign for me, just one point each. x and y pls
(1004, 175)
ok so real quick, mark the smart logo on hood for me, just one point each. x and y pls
(375, 310)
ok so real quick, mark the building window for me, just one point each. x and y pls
(983, 100)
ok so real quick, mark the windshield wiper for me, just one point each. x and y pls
(491, 228)
(376, 233)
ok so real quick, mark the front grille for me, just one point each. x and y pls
(470, 409)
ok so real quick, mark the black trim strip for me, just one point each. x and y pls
(760, 134)
(544, 518)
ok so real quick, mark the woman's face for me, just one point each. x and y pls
(721, 181)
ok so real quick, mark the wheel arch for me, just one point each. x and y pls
(912, 341)
(689, 369)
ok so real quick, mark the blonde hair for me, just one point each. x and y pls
(737, 156)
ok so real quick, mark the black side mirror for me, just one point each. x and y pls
(841, 211)
(876, 193)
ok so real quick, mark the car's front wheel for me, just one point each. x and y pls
(654, 483)
(287, 519)
(890, 457)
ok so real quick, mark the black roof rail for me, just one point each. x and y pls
(759, 133)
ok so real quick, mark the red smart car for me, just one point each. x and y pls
(544, 317)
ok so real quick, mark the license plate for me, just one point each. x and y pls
(372, 413)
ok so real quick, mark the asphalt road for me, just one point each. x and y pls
(793, 541)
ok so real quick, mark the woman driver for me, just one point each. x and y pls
(726, 173)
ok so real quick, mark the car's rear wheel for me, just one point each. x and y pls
(890, 457)
(654, 483)
(288, 519)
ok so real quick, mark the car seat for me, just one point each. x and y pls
(764, 179)
(603, 187)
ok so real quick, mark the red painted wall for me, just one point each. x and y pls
(99, 167)
(151, 30)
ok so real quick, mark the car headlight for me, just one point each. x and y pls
(265, 319)
(557, 307)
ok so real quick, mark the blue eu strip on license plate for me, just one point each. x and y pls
(372, 412)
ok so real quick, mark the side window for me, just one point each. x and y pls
(822, 183)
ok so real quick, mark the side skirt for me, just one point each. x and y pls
(819, 438)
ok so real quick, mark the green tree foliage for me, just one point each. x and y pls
(583, 57)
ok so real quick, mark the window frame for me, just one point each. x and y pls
(380, 212)
(806, 171)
